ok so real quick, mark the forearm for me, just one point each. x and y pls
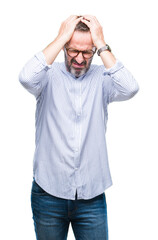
(107, 57)
(98, 40)
(53, 49)
(122, 85)
(65, 33)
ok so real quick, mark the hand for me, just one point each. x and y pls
(95, 29)
(67, 27)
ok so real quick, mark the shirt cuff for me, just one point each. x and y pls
(117, 66)
(41, 57)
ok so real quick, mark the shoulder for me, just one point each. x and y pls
(100, 72)
(55, 66)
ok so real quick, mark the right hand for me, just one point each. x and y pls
(67, 28)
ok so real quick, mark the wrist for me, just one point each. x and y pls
(62, 40)
(104, 48)
(100, 44)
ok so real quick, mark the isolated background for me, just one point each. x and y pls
(130, 28)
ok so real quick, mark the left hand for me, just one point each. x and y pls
(95, 29)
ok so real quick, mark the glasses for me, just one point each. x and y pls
(86, 54)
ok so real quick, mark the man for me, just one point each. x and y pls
(71, 170)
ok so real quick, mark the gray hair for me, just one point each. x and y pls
(82, 27)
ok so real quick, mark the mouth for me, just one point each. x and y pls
(77, 65)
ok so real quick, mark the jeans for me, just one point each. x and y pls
(52, 216)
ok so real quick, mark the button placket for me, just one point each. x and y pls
(78, 107)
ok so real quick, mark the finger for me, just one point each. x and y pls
(71, 18)
(87, 22)
(96, 20)
(79, 18)
(91, 19)
(76, 21)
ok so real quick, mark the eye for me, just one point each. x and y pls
(88, 54)
(72, 52)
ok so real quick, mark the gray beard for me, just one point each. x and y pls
(75, 72)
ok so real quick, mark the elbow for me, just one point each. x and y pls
(133, 91)
(24, 79)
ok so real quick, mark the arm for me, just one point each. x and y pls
(64, 35)
(34, 75)
(98, 39)
(122, 85)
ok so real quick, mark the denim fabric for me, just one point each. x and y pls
(52, 216)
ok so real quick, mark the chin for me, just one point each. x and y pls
(77, 73)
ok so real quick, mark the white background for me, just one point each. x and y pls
(130, 28)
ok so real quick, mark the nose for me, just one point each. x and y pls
(79, 58)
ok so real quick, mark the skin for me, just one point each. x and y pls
(67, 34)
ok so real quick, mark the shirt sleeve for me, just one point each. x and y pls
(121, 85)
(34, 74)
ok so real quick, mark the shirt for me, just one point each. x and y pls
(71, 117)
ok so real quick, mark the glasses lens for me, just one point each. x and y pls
(88, 54)
(72, 52)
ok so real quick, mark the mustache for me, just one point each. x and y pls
(74, 61)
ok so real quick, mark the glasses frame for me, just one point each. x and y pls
(93, 50)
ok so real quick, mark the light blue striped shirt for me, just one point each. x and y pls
(71, 117)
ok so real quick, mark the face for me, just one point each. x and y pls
(81, 41)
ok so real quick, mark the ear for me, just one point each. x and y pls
(63, 48)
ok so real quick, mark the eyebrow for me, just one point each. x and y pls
(92, 49)
(81, 50)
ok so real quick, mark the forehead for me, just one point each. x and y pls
(81, 40)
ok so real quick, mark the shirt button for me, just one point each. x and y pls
(76, 168)
(76, 149)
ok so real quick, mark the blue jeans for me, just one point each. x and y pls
(52, 216)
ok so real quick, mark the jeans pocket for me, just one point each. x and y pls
(37, 190)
